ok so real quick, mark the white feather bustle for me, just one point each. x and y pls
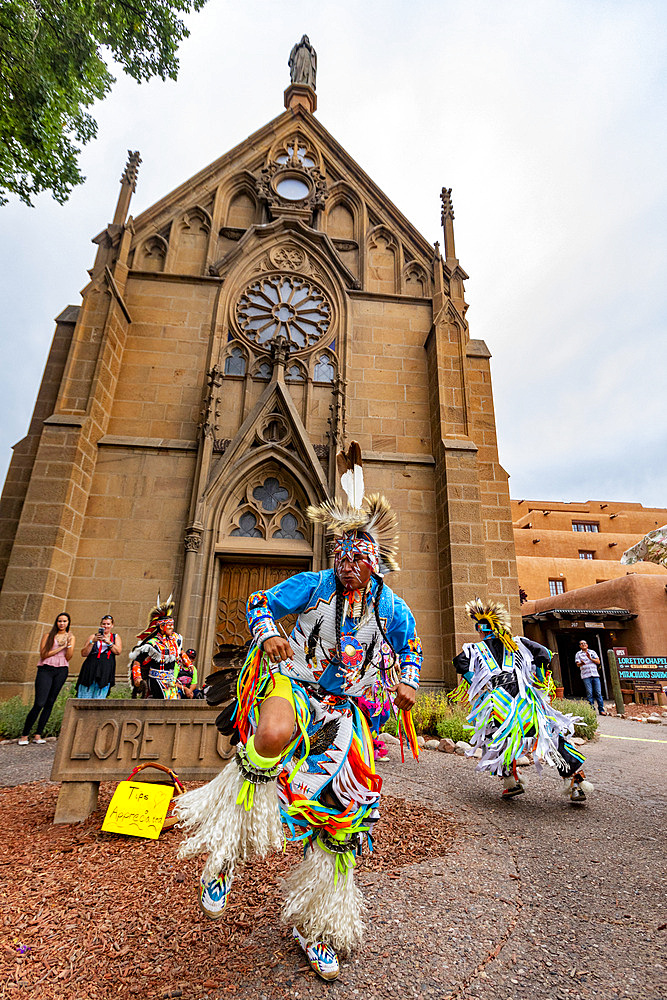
(217, 825)
(322, 910)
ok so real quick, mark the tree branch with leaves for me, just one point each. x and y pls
(52, 69)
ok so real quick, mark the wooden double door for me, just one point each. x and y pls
(237, 581)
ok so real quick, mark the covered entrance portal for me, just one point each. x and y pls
(561, 630)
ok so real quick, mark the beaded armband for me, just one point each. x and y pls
(259, 617)
(411, 663)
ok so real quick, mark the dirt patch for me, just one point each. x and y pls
(92, 914)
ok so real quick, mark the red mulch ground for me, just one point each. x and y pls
(94, 915)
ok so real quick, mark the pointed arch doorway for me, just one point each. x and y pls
(238, 579)
(264, 537)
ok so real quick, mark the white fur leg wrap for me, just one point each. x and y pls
(216, 824)
(321, 909)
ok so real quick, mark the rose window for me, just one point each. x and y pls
(284, 307)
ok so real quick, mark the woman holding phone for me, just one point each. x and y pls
(55, 650)
(98, 670)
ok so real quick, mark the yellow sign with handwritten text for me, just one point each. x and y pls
(138, 809)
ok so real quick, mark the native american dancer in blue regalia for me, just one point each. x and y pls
(507, 683)
(304, 761)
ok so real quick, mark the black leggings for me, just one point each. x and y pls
(48, 683)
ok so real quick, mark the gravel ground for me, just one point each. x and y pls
(535, 900)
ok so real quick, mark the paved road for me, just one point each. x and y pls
(538, 901)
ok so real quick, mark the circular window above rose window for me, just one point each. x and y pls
(284, 307)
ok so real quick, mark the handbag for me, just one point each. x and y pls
(179, 789)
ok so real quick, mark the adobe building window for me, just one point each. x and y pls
(235, 362)
(585, 526)
(586, 554)
(556, 587)
(324, 370)
(284, 307)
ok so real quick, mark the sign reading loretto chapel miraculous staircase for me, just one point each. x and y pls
(232, 338)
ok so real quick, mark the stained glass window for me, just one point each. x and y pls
(235, 362)
(247, 527)
(263, 371)
(270, 493)
(324, 370)
(294, 374)
(286, 307)
(301, 154)
(289, 528)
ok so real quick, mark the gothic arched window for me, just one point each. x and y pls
(270, 493)
(247, 527)
(324, 370)
(289, 528)
(235, 362)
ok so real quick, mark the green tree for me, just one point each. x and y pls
(52, 69)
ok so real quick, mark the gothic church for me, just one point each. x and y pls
(231, 340)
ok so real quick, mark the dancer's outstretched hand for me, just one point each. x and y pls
(278, 649)
(406, 696)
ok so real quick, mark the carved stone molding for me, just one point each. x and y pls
(287, 257)
(192, 541)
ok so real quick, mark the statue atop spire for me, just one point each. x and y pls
(302, 63)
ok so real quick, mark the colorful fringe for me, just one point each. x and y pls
(406, 725)
(459, 693)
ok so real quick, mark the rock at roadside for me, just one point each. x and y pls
(388, 738)
(447, 745)
(578, 741)
(654, 720)
(461, 747)
(477, 753)
(431, 744)
(420, 741)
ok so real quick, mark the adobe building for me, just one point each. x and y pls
(231, 339)
(628, 612)
(564, 546)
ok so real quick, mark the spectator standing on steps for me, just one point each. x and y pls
(588, 662)
(55, 651)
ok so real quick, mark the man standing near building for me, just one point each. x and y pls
(588, 663)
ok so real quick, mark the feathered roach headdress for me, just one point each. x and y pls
(371, 516)
(497, 618)
(162, 610)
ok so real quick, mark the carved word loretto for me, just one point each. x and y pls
(147, 739)
(103, 740)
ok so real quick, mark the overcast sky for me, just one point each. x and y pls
(548, 121)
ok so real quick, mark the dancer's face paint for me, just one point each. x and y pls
(354, 571)
(484, 629)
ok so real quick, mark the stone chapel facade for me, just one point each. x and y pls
(231, 340)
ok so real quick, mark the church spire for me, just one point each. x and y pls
(447, 220)
(128, 185)
(302, 64)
